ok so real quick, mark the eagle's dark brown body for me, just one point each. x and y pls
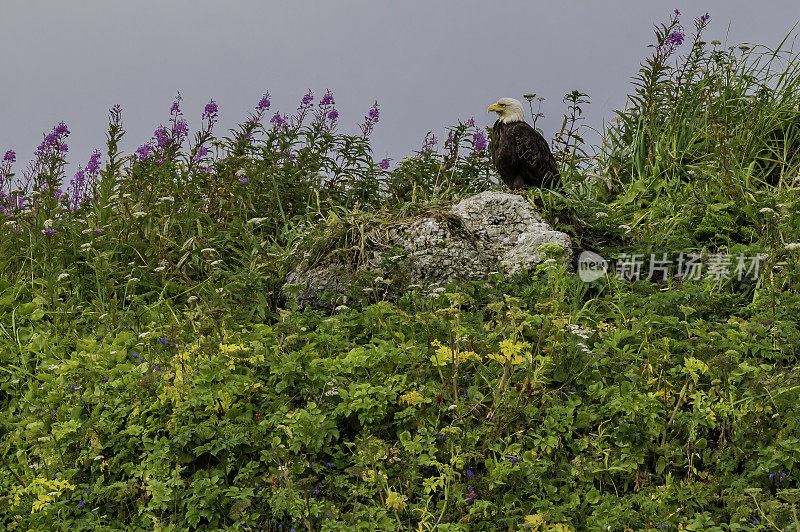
(522, 157)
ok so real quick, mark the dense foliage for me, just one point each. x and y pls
(156, 375)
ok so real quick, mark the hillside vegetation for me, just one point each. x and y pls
(156, 374)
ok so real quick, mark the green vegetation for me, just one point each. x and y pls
(155, 378)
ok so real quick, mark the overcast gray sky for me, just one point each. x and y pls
(429, 64)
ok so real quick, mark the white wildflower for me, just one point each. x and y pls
(766, 210)
(144, 334)
(98, 457)
(217, 262)
(48, 224)
(257, 220)
(103, 315)
(139, 214)
(341, 308)
(191, 299)
(159, 269)
(602, 215)
(53, 366)
(86, 247)
(793, 246)
(208, 250)
(62, 276)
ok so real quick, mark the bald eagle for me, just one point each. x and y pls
(520, 154)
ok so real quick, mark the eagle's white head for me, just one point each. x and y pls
(508, 110)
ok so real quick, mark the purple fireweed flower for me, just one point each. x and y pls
(677, 12)
(333, 115)
(211, 111)
(478, 142)
(10, 156)
(162, 136)
(79, 176)
(143, 152)
(93, 166)
(201, 153)
(704, 18)
(278, 121)
(244, 180)
(49, 232)
(263, 104)
(675, 38)
(327, 99)
(180, 130)
(176, 106)
(307, 99)
(370, 119)
(428, 146)
(384, 164)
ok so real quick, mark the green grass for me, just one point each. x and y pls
(153, 375)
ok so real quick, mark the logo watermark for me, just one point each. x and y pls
(686, 266)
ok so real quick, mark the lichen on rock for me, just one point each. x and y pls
(476, 236)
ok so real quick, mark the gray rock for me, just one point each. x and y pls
(479, 235)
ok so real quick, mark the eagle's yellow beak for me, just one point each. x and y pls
(494, 107)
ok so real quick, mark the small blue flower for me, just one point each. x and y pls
(105, 379)
(470, 474)
(134, 355)
(81, 503)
